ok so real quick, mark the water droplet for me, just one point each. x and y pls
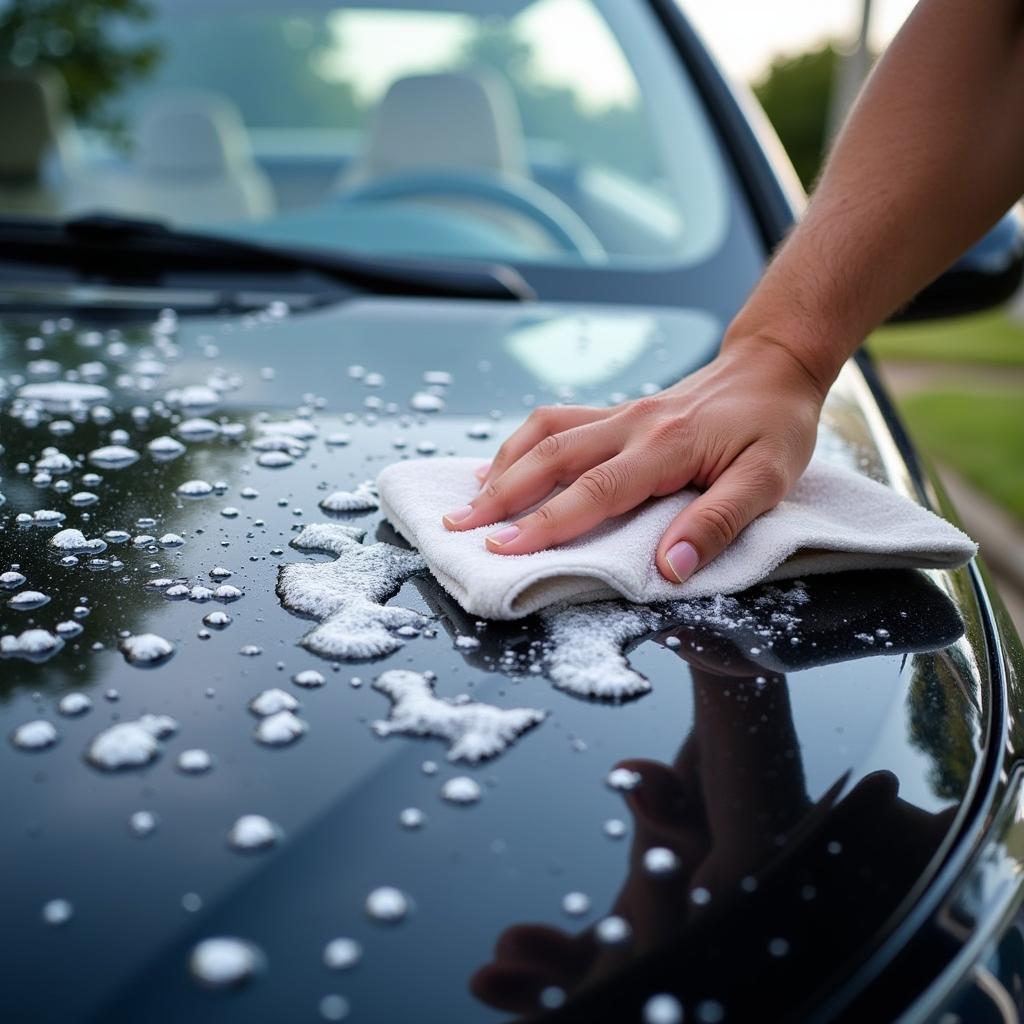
(171, 540)
(481, 431)
(614, 828)
(217, 620)
(412, 818)
(334, 1007)
(461, 790)
(308, 678)
(27, 600)
(342, 954)
(613, 931)
(709, 1011)
(146, 650)
(143, 823)
(576, 904)
(72, 704)
(778, 947)
(253, 832)
(424, 401)
(165, 448)
(274, 460)
(623, 780)
(57, 912)
(36, 735)
(195, 489)
(11, 580)
(660, 861)
(226, 593)
(250, 650)
(225, 962)
(113, 456)
(387, 904)
(192, 902)
(194, 761)
(663, 1009)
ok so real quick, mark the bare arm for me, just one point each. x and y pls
(931, 156)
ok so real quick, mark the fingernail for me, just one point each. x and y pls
(504, 535)
(682, 559)
(459, 514)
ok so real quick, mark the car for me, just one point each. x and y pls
(258, 765)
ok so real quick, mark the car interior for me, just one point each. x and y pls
(444, 161)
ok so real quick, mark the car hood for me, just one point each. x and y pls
(805, 750)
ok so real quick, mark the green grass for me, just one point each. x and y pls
(991, 338)
(979, 434)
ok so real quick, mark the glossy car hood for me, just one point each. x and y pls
(804, 751)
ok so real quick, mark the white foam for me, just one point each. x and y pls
(146, 649)
(63, 395)
(474, 731)
(33, 644)
(345, 595)
(363, 499)
(130, 744)
(279, 729)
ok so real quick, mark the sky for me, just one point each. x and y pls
(744, 35)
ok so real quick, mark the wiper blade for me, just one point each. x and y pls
(128, 247)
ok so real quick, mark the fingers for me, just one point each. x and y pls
(755, 482)
(603, 491)
(557, 459)
(543, 421)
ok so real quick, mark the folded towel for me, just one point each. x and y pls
(833, 519)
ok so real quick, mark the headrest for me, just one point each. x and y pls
(33, 111)
(446, 120)
(195, 133)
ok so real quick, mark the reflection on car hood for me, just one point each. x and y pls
(802, 754)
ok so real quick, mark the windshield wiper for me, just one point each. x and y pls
(134, 249)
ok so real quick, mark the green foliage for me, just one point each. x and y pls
(982, 338)
(795, 95)
(80, 39)
(978, 434)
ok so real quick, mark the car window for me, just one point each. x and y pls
(552, 131)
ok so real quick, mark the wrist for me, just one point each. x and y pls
(813, 356)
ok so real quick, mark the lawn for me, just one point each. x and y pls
(978, 434)
(992, 338)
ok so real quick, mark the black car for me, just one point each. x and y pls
(253, 253)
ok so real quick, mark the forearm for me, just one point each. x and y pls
(931, 156)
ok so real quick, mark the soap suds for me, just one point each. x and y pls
(346, 595)
(474, 731)
(363, 499)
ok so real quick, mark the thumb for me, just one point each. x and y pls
(753, 484)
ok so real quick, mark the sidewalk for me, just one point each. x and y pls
(999, 534)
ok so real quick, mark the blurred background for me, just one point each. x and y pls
(84, 86)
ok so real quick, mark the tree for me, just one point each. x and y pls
(795, 95)
(78, 38)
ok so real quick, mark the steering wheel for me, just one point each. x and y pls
(556, 218)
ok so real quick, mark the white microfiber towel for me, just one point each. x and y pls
(833, 519)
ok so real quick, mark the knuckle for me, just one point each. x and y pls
(543, 415)
(602, 485)
(723, 521)
(665, 435)
(642, 408)
(544, 518)
(771, 476)
(550, 447)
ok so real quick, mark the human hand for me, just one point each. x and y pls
(742, 429)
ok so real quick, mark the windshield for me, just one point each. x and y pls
(545, 132)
